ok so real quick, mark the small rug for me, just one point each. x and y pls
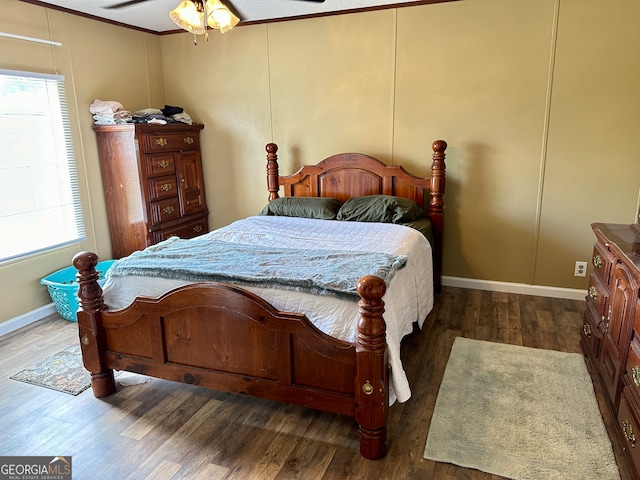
(521, 413)
(62, 371)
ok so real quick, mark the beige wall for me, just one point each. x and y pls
(593, 157)
(537, 101)
(525, 93)
(98, 61)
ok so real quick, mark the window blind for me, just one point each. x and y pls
(40, 206)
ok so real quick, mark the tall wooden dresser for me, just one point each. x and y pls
(610, 335)
(153, 183)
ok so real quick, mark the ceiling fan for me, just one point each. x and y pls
(133, 2)
(196, 16)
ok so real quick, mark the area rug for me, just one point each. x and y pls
(521, 413)
(62, 371)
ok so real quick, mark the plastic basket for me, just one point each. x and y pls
(63, 288)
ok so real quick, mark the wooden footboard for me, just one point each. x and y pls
(226, 338)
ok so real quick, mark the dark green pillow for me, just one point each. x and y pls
(323, 208)
(379, 208)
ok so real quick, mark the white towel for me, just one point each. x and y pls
(105, 107)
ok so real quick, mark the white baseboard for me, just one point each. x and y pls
(27, 318)
(521, 288)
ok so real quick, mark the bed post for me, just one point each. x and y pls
(90, 299)
(436, 208)
(272, 171)
(372, 374)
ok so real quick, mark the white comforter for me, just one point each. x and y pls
(409, 297)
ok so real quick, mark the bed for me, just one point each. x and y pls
(233, 337)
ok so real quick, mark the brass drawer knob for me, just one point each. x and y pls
(367, 388)
(597, 261)
(635, 374)
(168, 210)
(188, 140)
(627, 429)
(165, 187)
(593, 293)
(163, 164)
(161, 142)
(197, 228)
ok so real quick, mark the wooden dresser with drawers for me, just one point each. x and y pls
(610, 335)
(153, 183)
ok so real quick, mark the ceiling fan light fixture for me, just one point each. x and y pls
(220, 17)
(190, 15)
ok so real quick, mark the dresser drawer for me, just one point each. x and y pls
(602, 262)
(628, 424)
(187, 230)
(633, 364)
(164, 210)
(162, 187)
(170, 142)
(590, 333)
(159, 164)
(597, 294)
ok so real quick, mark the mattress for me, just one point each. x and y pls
(409, 296)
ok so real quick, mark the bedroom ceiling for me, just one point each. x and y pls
(153, 15)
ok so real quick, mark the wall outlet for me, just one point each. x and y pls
(580, 270)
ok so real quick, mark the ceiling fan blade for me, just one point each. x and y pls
(125, 4)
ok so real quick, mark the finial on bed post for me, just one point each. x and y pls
(272, 171)
(91, 302)
(436, 208)
(372, 369)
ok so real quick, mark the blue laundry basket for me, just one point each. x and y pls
(63, 288)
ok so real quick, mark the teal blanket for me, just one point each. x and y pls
(322, 272)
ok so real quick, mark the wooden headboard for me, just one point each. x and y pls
(349, 175)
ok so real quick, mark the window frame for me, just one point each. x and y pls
(61, 208)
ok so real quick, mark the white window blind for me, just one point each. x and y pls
(39, 199)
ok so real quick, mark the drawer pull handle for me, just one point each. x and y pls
(161, 142)
(597, 261)
(593, 293)
(168, 210)
(607, 319)
(627, 429)
(586, 329)
(165, 187)
(197, 228)
(367, 388)
(163, 164)
(188, 140)
(635, 374)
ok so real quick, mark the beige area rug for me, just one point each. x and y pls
(521, 413)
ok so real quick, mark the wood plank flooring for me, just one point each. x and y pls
(164, 430)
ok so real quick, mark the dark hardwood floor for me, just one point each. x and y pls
(165, 430)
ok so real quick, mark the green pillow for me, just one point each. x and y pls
(379, 208)
(323, 208)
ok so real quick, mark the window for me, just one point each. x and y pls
(39, 199)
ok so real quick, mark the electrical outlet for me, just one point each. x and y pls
(580, 270)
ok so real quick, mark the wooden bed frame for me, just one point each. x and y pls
(261, 351)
